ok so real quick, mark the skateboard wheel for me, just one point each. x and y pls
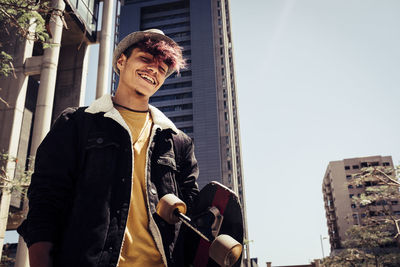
(167, 205)
(225, 250)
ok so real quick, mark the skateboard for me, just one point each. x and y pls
(213, 235)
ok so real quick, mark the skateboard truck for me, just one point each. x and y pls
(224, 250)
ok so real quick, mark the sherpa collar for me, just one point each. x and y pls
(105, 104)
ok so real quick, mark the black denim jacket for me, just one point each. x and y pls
(80, 191)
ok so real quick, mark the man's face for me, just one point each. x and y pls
(141, 73)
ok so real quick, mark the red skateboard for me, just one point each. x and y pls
(216, 227)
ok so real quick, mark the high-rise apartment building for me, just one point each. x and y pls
(341, 212)
(202, 99)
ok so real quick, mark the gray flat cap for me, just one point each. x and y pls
(135, 37)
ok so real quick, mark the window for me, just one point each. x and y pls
(359, 186)
(173, 26)
(368, 183)
(176, 85)
(228, 164)
(347, 167)
(355, 216)
(348, 176)
(187, 52)
(372, 213)
(182, 118)
(181, 74)
(165, 18)
(355, 167)
(170, 97)
(182, 43)
(353, 206)
(395, 202)
(187, 129)
(364, 164)
(178, 34)
(386, 164)
(176, 107)
(351, 195)
(350, 186)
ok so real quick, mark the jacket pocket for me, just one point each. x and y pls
(101, 154)
(168, 162)
(163, 175)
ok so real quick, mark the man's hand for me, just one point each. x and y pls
(39, 254)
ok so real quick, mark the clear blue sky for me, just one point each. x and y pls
(317, 81)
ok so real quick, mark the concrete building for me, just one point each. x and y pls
(47, 81)
(341, 212)
(315, 263)
(202, 99)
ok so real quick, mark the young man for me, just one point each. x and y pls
(101, 171)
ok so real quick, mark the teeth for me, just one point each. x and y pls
(147, 78)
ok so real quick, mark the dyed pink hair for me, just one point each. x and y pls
(169, 53)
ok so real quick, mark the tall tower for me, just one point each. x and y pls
(341, 212)
(202, 99)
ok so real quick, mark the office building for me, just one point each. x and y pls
(202, 99)
(44, 83)
(341, 212)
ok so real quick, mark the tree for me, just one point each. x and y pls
(22, 179)
(17, 18)
(13, 186)
(373, 241)
(20, 15)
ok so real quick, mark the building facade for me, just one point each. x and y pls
(202, 99)
(45, 82)
(341, 213)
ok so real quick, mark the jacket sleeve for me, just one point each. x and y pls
(52, 184)
(188, 171)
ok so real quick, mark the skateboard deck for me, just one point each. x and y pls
(228, 222)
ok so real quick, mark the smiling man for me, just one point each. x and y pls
(102, 169)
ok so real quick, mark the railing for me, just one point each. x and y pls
(87, 12)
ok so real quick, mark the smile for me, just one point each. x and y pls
(147, 78)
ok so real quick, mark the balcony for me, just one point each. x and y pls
(87, 13)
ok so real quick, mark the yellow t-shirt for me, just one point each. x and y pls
(138, 248)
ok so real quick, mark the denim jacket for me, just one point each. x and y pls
(80, 190)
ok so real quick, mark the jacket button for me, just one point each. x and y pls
(110, 249)
(123, 180)
(118, 211)
(153, 191)
(100, 140)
